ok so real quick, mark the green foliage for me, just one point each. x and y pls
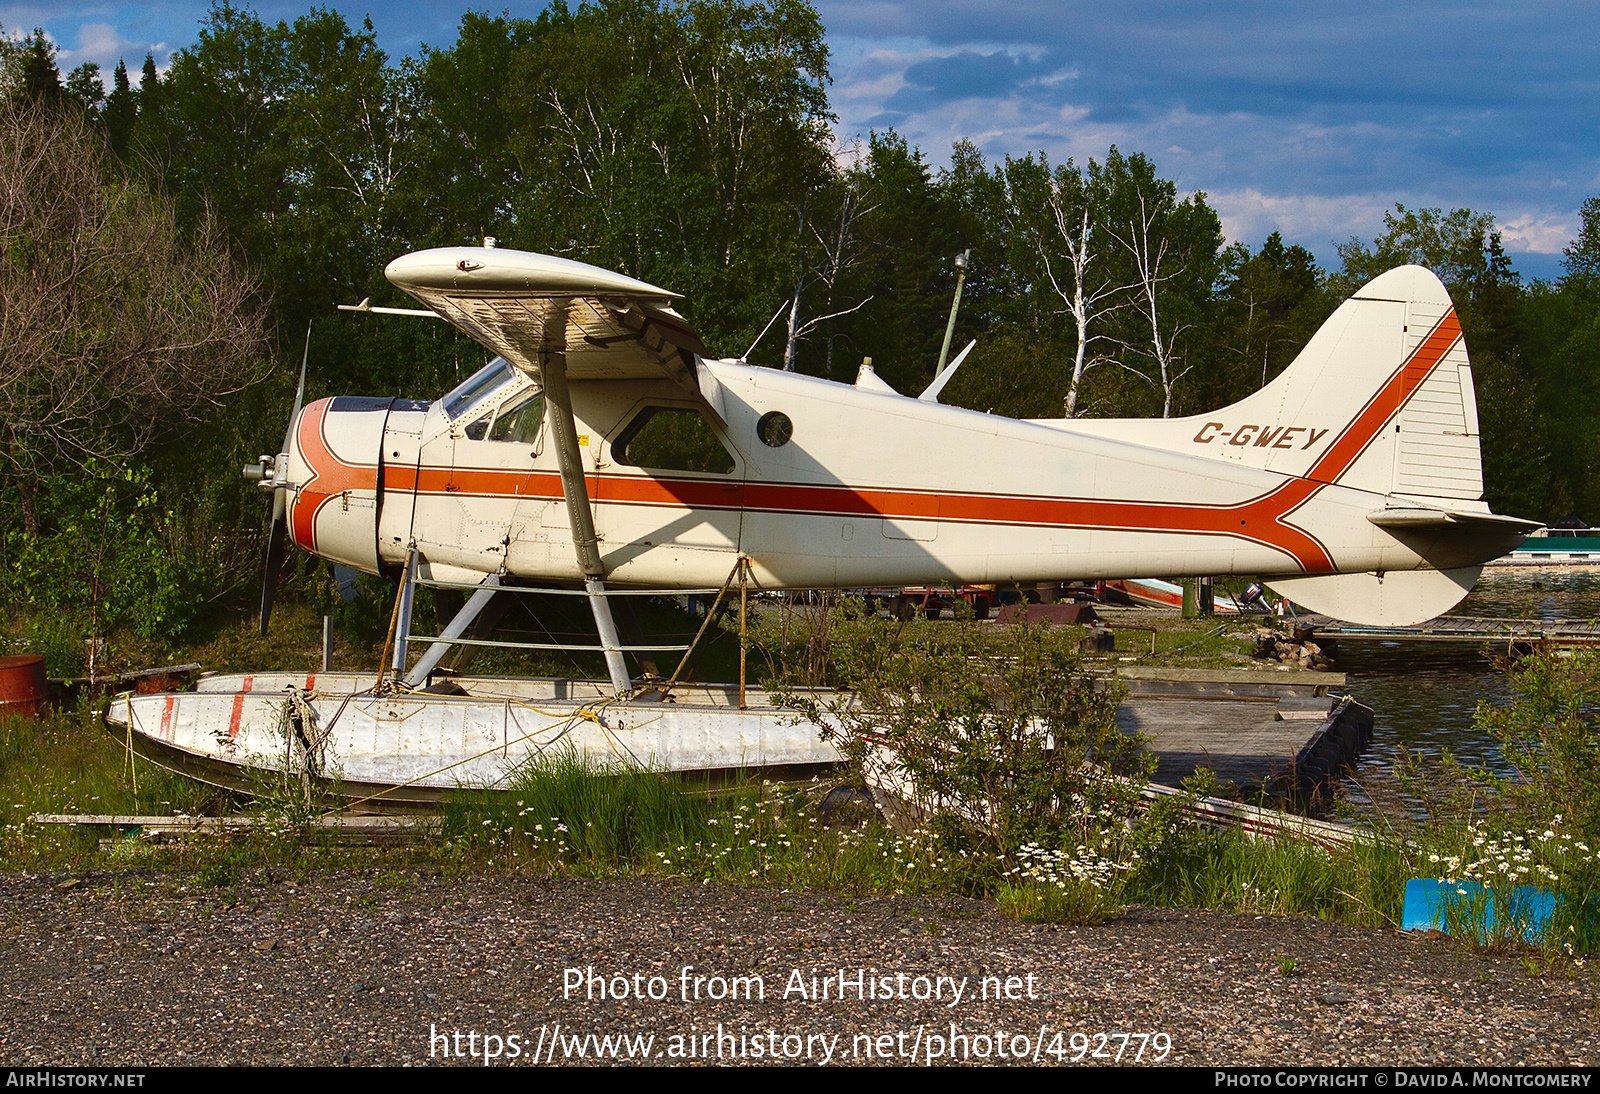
(39, 79)
(1182, 863)
(1273, 302)
(1583, 254)
(106, 561)
(999, 731)
(1550, 733)
(1454, 245)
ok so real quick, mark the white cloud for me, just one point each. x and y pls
(1531, 232)
(1315, 221)
(1060, 76)
(96, 42)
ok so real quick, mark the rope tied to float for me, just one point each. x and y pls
(588, 713)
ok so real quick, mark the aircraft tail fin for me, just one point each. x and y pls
(1380, 399)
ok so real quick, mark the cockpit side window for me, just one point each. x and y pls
(517, 422)
(520, 422)
(477, 387)
(670, 438)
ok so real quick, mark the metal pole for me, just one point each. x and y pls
(955, 306)
(564, 430)
(609, 642)
(463, 619)
(327, 643)
(744, 585)
(402, 630)
(704, 623)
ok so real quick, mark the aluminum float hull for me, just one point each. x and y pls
(412, 750)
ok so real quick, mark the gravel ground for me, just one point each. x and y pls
(134, 968)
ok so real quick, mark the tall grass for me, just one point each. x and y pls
(567, 813)
(1363, 883)
(67, 763)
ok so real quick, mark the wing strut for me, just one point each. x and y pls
(580, 514)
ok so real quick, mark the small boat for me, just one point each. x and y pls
(1151, 592)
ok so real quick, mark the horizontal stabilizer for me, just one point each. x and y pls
(1423, 517)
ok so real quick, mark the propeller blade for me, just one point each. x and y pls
(299, 392)
(278, 529)
(272, 565)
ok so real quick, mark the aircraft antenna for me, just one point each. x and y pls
(746, 355)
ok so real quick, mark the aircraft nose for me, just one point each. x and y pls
(330, 481)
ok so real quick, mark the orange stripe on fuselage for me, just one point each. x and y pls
(330, 475)
(1261, 519)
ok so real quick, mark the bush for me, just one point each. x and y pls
(1550, 734)
(996, 728)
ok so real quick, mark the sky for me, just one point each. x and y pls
(1307, 119)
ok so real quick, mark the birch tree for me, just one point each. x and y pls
(1170, 247)
(1149, 248)
(836, 253)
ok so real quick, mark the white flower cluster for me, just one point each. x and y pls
(1516, 858)
(1065, 869)
(539, 838)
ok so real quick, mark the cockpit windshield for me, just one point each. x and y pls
(475, 388)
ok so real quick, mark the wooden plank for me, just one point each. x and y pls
(1231, 676)
(193, 824)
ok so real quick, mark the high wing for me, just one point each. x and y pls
(527, 307)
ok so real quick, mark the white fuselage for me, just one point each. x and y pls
(871, 488)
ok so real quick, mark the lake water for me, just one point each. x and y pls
(1424, 695)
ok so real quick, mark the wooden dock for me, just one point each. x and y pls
(1275, 731)
(1514, 635)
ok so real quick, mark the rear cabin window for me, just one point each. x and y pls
(668, 438)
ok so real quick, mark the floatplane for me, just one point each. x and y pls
(604, 453)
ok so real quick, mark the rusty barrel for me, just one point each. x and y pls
(22, 685)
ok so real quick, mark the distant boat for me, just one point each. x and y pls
(1151, 592)
(1556, 547)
